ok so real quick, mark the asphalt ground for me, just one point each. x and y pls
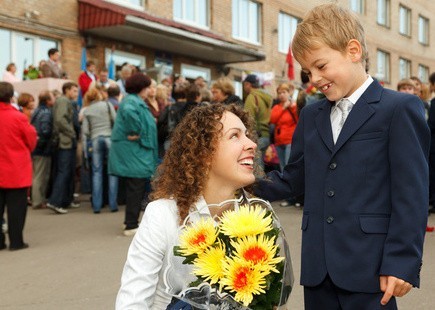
(75, 262)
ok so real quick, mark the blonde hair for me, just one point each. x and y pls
(285, 87)
(425, 92)
(328, 24)
(405, 82)
(93, 94)
(162, 92)
(225, 85)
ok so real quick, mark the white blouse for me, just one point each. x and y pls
(151, 273)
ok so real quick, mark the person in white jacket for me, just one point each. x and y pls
(210, 159)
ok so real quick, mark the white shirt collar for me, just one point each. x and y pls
(358, 93)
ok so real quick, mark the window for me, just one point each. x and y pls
(120, 57)
(357, 6)
(383, 15)
(404, 21)
(383, 66)
(192, 72)
(5, 38)
(23, 50)
(133, 4)
(192, 11)
(404, 68)
(238, 88)
(246, 21)
(423, 73)
(286, 29)
(423, 30)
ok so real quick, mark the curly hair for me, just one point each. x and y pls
(183, 173)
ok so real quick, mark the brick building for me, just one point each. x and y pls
(207, 37)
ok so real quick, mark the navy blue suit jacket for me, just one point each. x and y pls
(366, 197)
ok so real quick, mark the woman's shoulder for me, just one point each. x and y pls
(162, 208)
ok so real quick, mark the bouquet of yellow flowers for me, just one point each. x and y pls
(240, 258)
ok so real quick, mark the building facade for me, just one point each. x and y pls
(208, 38)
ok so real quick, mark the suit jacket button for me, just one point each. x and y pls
(329, 220)
(330, 193)
(332, 166)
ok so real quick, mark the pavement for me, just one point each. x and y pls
(75, 261)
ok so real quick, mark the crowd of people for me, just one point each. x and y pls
(111, 145)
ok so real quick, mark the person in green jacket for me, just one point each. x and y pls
(258, 104)
(134, 152)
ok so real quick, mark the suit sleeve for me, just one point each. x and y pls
(289, 183)
(409, 140)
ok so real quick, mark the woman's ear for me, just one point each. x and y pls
(354, 50)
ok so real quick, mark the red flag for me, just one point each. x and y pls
(289, 61)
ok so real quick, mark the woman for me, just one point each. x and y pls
(18, 139)
(133, 155)
(223, 91)
(98, 120)
(211, 157)
(26, 102)
(9, 74)
(285, 118)
(155, 105)
(162, 96)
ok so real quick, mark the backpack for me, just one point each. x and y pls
(169, 119)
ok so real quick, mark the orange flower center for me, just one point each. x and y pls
(241, 278)
(255, 254)
(199, 238)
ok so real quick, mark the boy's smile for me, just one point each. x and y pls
(335, 74)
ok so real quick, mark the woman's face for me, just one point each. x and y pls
(28, 109)
(218, 95)
(232, 165)
(152, 91)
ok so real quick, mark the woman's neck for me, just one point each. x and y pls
(214, 195)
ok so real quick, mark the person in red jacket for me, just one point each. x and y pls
(87, 77)
(18, 140)
(285, 117)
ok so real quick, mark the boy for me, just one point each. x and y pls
(406, 86)
(362, 164)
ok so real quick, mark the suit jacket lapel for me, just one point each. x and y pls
(323, 124)
(359, 114)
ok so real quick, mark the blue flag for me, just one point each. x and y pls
(83, 67)
(111, 67)
(83, 61)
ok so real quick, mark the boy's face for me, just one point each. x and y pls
(335, 74)
(407, 89)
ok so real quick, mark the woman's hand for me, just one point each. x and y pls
(133, 137)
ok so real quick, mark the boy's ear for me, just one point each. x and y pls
(354, 50)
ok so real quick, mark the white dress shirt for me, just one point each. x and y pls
(151, 273)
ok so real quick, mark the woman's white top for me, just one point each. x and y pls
(151, 273)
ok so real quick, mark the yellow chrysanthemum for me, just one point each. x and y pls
(196, 238)
(244, 279)
(259, 250)
(249, 220)
(209, 264)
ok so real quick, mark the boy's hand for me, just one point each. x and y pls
(393, 286)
